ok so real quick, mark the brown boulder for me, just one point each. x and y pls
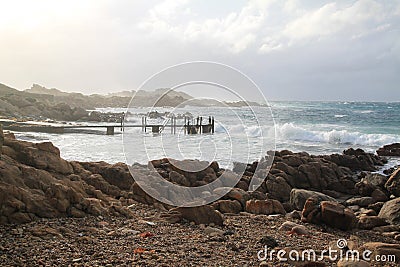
(43, 156)
(329, 213)
(278, 188)
(298, 197)
(228, 206)
(200, 215)
(369, 222)
(267, 207)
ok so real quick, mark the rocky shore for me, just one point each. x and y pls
(68, 213)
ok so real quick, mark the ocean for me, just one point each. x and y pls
(241, 134)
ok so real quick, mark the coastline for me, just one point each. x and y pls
(54, 198)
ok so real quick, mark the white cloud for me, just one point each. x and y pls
(331, 19)
(236, 31)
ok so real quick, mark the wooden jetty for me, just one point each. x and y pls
(190, 126)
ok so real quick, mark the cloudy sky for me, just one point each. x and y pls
(294, 50)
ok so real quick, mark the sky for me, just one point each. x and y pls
(292, 49)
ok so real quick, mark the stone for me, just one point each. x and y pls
(287, 226)
(391, 211)
(350, 263)
(360, 201)
(201, 215)
(337, 216)
(268, 241)
(212, 231)
(228, 206)
(267, 207)
(369, 222)
(375, 179)
(278, 188)
(1, 139)
(239, 195)
(379, 196)
(178, 178)
(392, 150)
(393, 184)
(298, 197)
(330, 213)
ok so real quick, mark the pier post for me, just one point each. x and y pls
(110, 130)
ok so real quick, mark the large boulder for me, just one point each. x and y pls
(228, 206)
(267, 207)
(391, 211)
(328, 212)
(393, 184)
(278, 188)
(200, 215)
(298, 197)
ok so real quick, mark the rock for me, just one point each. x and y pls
(1, 139)
(392, 150)
(212, 231)
(379, 196)
(375, 179)
(267, 207)
(43, 156)
(350, 263)
(294, 215)
(360, 201)
(228, 206)
(200, 215)
(178, 178)
(387, 228)
(393, 184)
(376, 206)
(298, 197)
(268, 241)
(287, 226)
(239, 195)
(365, 189)
(369, 222)
(391, 211)
(337, 216)
(278, 188)
(331, 213)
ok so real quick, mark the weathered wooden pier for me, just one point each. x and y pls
(189, 126)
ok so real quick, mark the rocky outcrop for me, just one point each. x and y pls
(392, 150)
(44, 156)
